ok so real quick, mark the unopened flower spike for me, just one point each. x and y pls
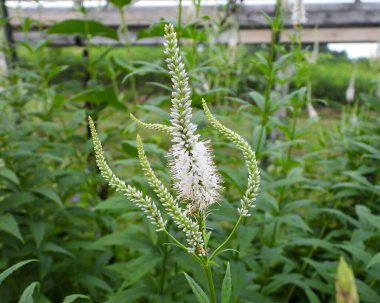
(145, 203)
(189, 227)
(250, 159)
(152, 126)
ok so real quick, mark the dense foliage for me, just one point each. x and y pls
(320, 192)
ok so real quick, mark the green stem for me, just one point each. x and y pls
(276, 32)
(201, 219)
(264, 117)
(163, 270)
(124, 29)
(208, 272)
(292, 136)
(196, 257)
(179, 21)
(215, 253)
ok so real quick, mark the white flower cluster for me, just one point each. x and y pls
(192, 167)
(196, 179)
(298, 13)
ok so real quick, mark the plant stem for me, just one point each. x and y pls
(276, 32)
(208, 272)
(201, 219)
(163, 270)
(292, 136)
(196, 257)
(179, 21)
(124, 29)
(215, 253)
(264, 117)
(194, 50)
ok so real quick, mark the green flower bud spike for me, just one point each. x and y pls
(345, 284)
(145, 203)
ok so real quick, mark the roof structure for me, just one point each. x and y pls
(329, 22)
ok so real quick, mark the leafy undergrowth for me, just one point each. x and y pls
(319, 198)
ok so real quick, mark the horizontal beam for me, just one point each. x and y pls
(245, 36)
(323, 35)
(249, 16)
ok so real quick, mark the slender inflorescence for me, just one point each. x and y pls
(145, 203)
(152, 126)
(253, 172)
(190, 228)
(298, 13)
(192, 167)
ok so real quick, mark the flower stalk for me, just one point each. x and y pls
(195, 178)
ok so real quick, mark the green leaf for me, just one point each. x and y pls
(16, 200)
(372, 101)
(197, 290)
(281, 62)
(38, 231)
(55, 71)
(50, 194)
(227, 286)
(292, 220)
(313, 242)
(374, 260)
(116, 203)
(133, 270)
(259, 100)
(120, 3)
(100, 94)
(366, 293)
(93, 281)
(27, 295)
(9, 224)
(365, 215)
(72, 298)
(83, 27)
(357, 252)
(154, 30)
(52, 247)
(13, 268)
(9, 175)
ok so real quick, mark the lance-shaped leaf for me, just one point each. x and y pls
(120, 3)
(83, 28)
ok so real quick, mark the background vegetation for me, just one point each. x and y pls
(319, 198)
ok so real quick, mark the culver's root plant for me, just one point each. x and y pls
(196, 182)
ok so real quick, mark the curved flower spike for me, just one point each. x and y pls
(152, 126)
(145, 203)
(189, 227)
(249, 155)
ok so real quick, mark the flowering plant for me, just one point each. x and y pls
(194, 174)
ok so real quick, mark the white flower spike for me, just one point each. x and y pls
(298, 13)
(192, 167)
